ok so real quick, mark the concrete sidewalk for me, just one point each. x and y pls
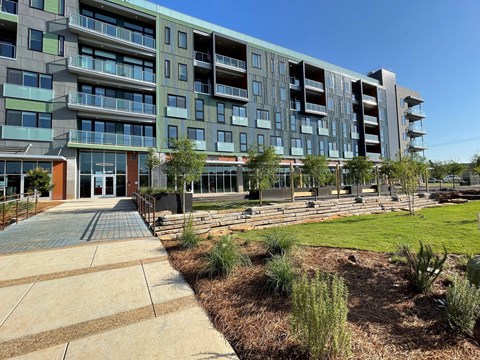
(106, 300)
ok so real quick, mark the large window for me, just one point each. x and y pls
(224, 136)
(217, 179)
(293, 123)
(281, 66)
(243, 142)
(221, 112)
(260, 143)
(283, 94)
(256, 61)
(199, 112)
(309, 147)
(263, 114)
(35, 40)
(276, 141)
(182, 40)
(239, 111)
(196, 134)
(296, 143)
(257, 88)
(182, 72)
(172, 134)
(61, 45)
(29, 119)
(177, 101)
(278, 121)
(30, 79)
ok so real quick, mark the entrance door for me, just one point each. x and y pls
(103, 185)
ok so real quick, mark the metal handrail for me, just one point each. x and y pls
(17, 198)
(146, 205)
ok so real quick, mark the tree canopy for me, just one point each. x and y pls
(359, 170)
(262, 168)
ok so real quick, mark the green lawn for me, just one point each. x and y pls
(454, 226)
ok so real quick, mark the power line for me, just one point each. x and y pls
(454, 142)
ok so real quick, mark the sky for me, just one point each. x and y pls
(432, 45)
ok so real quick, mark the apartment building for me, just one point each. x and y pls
(88, 86)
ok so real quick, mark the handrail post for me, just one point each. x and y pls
(3, 216)
(27, 205)
(154, 217)
(36, 201)
(16, 210)
(148, 215)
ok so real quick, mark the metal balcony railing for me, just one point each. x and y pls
(370, 137)
(228, 61)
(417, 129)
(232, 91)
(201, 87)
(107, 103)
(370, 119)
(203, 57)
(415, 111)
(369, 98)
(109, 139)
(110, 68)
(418, 144)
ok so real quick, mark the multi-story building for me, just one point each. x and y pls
(89, 86)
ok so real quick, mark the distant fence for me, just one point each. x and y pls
(18, 207)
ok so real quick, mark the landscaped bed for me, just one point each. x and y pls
(388, 320)
(10, 212)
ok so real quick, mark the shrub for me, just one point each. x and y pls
(400, 256)
(189, 238)
(425, 267)
(224, 258)
(463, 305)
(319, 315)
(281, 275)
(473, 270)
(279, 243)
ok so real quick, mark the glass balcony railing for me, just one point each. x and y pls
(417, 129)
(203, 57)
(418, 144)
(28, 93)
(110, 68)
(370, 137)
(225, 147)
(112, 31)
(7, 50)
(228, 61)
(369, 98)
(370, 119)
(296, 151)
(416, 111)
(202, 87)
(108, 103)
(316, 108)
(314, 84)
(109, 139)
(295, 105)
(294, 81)
(232, 91)
(26, 133)
(9, 7)
(373, 156)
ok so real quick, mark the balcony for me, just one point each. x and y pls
(333, 154)
(177, 112)
(317, 109)
(372, 138)
(200, 145)
(370, 120)
(27, 92)
(91, 139)
(110, 106)
(314, 85)
(296, 151)
(354, 99)
(230, 63)
(369, 100)
(8, 7)
(202, 60)
(264, 124)
(225, 147)
(323, 131)
(415, 130)
(201, 88)
(7, 50)
(112, 72)
(26, 133)
(373, 156)
(294, 83)
(415, 113)
(418, 145)
(230, 91)
(123, 39)
(295, 105)
(348, 154)
(355, 135)
(279, 150)
(306, 129)
(239, 120)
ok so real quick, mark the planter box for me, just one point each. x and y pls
(325, 190)
(173, 202)
(272, 194)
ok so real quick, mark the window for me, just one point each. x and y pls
(182, 72)
(256, 61)
(177, 101)
(167, 69)
(199, 113)
(296, 143)
(355, 129)
(332, 146)
(278, 121)
(293, 123)
(61, 7)
(272, 65)
(29, 119)
(309, 147)
(330, 104)
(347, 86)
(321, 147)
(243, 142)
(35, 40)
(221, 113)
(405, 136)
(61, 45)
(196, 134)
(263, 114)
(322, 124)
(167, 35)
(402, 102)
(30, 79)
(347, 148)
(382, 115)
(344, 130)
(182, 40)
(355, 150)
(172, 134)
(382, 135)
(334, 128)
(224, 136)
(276, 141)
(260, 142)
(330, 82)
(239, 111)
(257, 88)
(283, 94)
(306, 121)
(281, 66)
(273, 92)
(37, 4)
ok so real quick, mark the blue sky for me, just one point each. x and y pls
(432, 46)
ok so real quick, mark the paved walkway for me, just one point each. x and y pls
(101, 300)
(75, 222)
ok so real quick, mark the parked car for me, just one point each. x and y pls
(433, 180)
(451, 178)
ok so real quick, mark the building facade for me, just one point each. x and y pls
(88, 86)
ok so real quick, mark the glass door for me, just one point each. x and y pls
(97, 185)
(103, 185)
(109, 186)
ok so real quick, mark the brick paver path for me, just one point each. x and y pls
(75, 222)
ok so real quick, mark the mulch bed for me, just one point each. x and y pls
(387, 319)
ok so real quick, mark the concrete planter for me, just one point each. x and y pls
(272, 194)
(173, 202)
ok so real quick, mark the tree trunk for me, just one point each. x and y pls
(390, 187)
(260, 197)
(453, 182)
(413, 203)
(151, 177)
(358, 187)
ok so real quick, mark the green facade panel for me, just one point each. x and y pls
(50, 43)
(27, 105)
(51, 6)
(8, 17)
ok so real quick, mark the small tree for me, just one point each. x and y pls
(388, 171)
(39, 179)
(317, 168)
(455, 169)
(151, 162)
(438, 170)
(476, 164)
(408, 170)
(262, 168)
(359, 170)
(184, 164)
